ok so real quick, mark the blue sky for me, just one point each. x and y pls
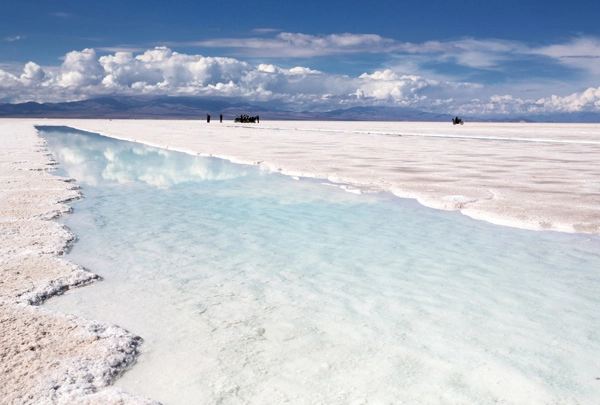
(482, 58)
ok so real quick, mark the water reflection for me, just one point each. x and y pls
(93, 159)
(262, 284)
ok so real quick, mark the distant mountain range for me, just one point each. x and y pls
(197, 108)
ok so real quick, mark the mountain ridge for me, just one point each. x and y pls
(185, 108)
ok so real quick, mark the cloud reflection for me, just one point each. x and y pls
(94, 159)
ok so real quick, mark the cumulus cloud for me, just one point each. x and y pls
(162, 71)
(80, 69)
(508, 105)
(9, 83)
(32, 73)
(588, 100)
(387, 85)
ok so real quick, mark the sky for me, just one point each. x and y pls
(475, 58)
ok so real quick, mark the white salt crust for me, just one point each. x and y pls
(532, 176)
(47, 357)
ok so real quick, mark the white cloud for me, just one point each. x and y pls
(399, 89)
(80, 69)
(588, 100)
(13, 39)
(9, 83)
(483, 54)
(507, 105)
(161, 71)
(528, 71)
(32, 73)
(265, 30)
(287, 44)
(581, 53)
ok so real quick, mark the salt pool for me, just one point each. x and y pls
(253, 287)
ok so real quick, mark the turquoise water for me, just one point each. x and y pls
(254, 287)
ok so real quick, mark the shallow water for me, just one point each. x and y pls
(254, 287)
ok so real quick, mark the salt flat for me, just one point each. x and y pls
(533, 176)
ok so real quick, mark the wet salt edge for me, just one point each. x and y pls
(47, 357)
(430, 364)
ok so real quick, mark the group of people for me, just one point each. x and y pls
(246, 118)
(241, 118)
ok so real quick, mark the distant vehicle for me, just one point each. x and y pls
(457, 121)
(245, 118)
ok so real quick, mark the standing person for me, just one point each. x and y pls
(207, 117)
(257, 119)
(221, 117)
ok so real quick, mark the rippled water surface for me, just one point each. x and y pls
(253, 287)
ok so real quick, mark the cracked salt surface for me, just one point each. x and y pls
(254, 287)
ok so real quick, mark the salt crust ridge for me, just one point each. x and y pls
(47, 357)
